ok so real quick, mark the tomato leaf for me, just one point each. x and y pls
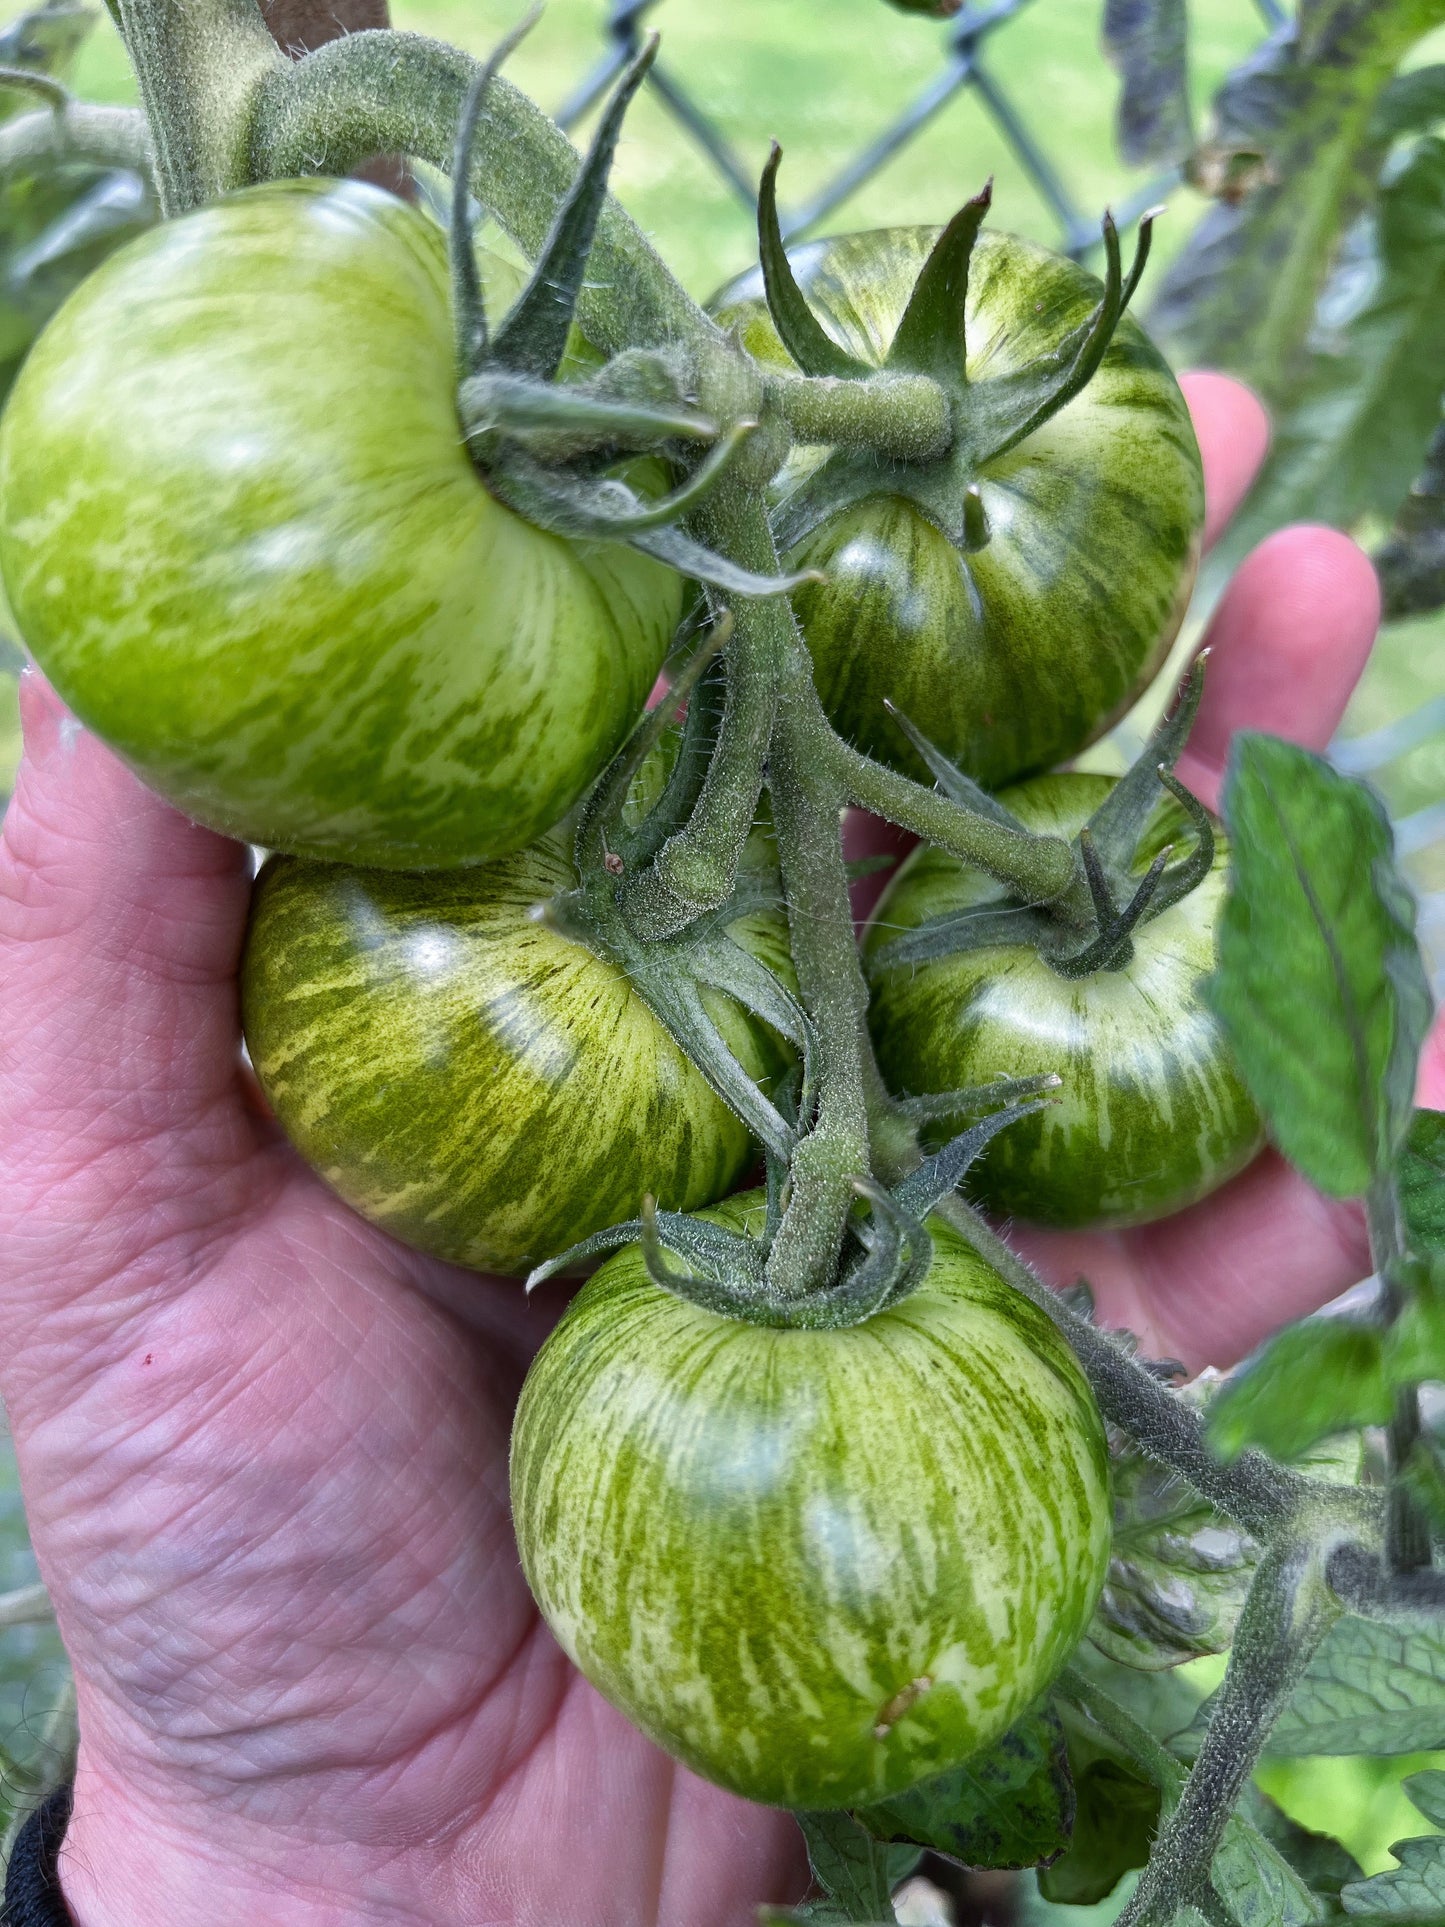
(1351, 437)
(1416, 1888)
(1147, 40)
(1372, 1688)
(1178, 1574)
(1320, 985)
(1294, 158)
(856, 1872)
(1117, 1804)
(1414, 1345)
(1010, 1806)
(1256, 1882)
(1116, 1817)
(1320, 1860)
(1321, 1376)
(1420, 1177)
(1411, 104)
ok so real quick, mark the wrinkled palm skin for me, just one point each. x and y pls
(292, 606)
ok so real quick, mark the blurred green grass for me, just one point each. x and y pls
(824, 76)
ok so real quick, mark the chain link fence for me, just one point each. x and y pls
(965, 71)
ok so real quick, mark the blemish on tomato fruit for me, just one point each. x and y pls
(901, 1702)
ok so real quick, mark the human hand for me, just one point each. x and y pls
(264, 1447)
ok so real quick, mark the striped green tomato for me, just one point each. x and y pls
(469, 1078)
(816, 1566)
(1152, 1114)
(241, 533)
(1011, 656)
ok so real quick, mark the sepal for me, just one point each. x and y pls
(533, 338)
(1109, 846)
(469, 315)
(931, 338)
(977, 1097)
(609, 510)
(1002, 410)
(942, 1174)
(799, 329)
(561, 421)
(948, 776)
(1121, 819)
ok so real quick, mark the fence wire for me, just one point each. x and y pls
(965, 71)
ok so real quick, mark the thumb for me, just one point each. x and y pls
(120, 1096)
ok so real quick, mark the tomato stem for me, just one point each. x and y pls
(1289, 1610)
(1038, 869)
(1265, 1498)
(112, 136)
(903, 418)
(390, 92)
(199, 68)
(1409, 1533)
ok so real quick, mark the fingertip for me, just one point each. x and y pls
(1288, 643)
(1430, 1082)
(1232, 428)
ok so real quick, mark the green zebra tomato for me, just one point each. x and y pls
(477, 1083)
(1014, 654)
(241, 533)
(816, 1566)
(1152, 1114)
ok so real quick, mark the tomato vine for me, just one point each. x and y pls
(852, 1176)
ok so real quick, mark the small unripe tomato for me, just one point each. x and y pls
(481, 1085)
(1152, 1113)
(816, 1566)
(241, 532)
(1020, 612)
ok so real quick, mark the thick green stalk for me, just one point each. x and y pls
(1289, 1610)
(1409, 1533)
(807, 816)
(807, 810)
(110, 136)
(402, 93)
(1264, 1498)
(198, 68)
(1038, 869)
(905, 418)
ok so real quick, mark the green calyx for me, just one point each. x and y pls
(546, 448)
(988, 415)
(887, 1250)
(1110, 848)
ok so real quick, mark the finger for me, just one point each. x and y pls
(868, 838)
(1232, 430)
(1288, 643)
(120, 929)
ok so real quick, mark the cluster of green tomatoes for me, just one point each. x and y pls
(244, 535)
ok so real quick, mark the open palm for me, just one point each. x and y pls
(264, 1447)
